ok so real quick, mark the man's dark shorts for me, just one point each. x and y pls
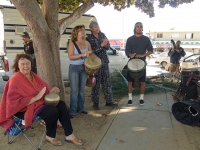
(142, 79)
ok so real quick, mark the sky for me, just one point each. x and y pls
(120, 25)
(117, 24)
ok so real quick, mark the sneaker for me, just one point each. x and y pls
(111, 104)
(142, 102)
(130, 102)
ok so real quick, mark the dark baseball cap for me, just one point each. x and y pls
(25, 34)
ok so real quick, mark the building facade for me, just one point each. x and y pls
(161, 40)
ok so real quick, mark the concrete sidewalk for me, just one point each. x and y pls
(148, 127)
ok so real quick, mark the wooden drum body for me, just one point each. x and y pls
(92, 65)
(91, 81)
(136, 68)
(51, 99)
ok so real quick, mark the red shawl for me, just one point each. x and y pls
(17, 94)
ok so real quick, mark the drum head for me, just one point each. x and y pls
(135, 65)
(52, 97)
(92, 63)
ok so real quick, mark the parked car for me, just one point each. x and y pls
(186, 62)
(191, 61)
(117, 61)
(154, 54)
(163, 59)
(122, 49)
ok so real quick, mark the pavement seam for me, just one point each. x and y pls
(119, 108)
(153, 110)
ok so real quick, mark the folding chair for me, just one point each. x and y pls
(19, 129)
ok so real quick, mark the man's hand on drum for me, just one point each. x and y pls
(55, 90)
(132, 55)
(139, 55)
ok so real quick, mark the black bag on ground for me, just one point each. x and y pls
(187, 112)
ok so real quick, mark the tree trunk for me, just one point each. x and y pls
(48, 60)
(46, 32)
(46, 42)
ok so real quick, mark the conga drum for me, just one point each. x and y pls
(92, 66)
(136, 69)
(51, 99)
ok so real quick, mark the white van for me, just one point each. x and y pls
(12, 25)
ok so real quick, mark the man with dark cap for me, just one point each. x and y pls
(175, 54)
(28, 49)
(138, 46)
(100, 44)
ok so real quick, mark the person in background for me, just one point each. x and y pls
(175, 54)
(28, 49)
(77, 74)
(24, 93)
(100, 44)
(138, 46)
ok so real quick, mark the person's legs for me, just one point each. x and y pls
(177, 70)
(74, 80)
(50, 115)
(34, 68)
(81, 93)
(130, 88)
(172, 71)
(106, 83)
(95, 91)
(64, 118)
(142, 88)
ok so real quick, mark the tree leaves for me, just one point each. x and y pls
(146, 6)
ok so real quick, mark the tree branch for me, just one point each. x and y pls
(50, 11)
(65, 22)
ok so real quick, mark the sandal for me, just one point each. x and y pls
(75, 141)
(55, 142)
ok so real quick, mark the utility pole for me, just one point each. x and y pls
(123, 30)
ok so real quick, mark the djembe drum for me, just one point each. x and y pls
(92, 65)
(136, 69)
(51, 99)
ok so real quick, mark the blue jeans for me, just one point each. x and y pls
(77, 79)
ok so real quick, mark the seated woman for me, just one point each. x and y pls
(25, 92)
